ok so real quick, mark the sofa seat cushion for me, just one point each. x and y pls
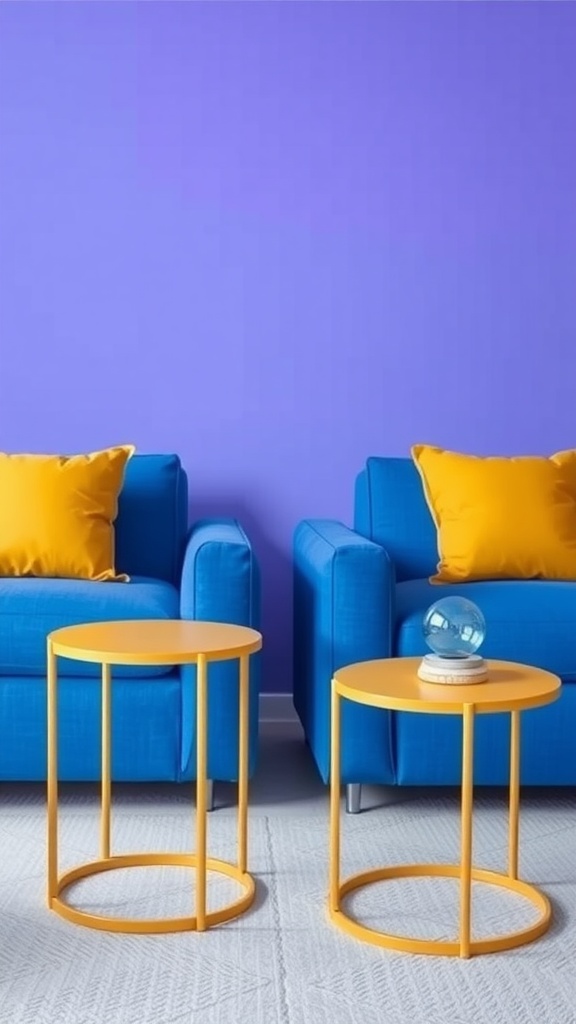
(529, 621)
(31, 608)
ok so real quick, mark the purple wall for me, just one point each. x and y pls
(277, 238)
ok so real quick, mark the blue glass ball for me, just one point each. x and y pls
(454, 627)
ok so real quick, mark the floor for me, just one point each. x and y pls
(283, 962)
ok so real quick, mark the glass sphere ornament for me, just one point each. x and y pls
(454, 628)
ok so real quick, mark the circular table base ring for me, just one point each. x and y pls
(435, 947)
(152, 925)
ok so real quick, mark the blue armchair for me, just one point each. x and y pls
(362, 593)
(206, 572)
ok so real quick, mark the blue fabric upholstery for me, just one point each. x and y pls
(219, 550)
(429, 747)
(391, 511)
(152, 518)
(530, 621)
(362, 594)
(343, 598)
(209, 572)
(146, 727)
(32, 608)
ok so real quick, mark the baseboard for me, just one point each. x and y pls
(277, 707)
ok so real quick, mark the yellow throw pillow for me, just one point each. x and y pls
(501, 518)
(57, 514)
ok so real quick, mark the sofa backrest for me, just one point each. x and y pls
(152, 518)
(390, 509)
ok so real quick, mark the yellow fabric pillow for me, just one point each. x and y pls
(57, 514)
(500, 518)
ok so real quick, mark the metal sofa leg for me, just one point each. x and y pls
(209, 794)
(353, 797)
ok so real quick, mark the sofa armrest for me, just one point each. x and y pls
(344, 590)
(220, 579)
(220, 583)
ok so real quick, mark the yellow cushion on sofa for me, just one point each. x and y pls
(57, 514)
(501, 518)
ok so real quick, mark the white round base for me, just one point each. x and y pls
(453, 671)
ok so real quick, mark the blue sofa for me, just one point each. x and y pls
(362, 593)
(206, 572)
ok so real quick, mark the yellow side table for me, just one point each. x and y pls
(392, 683)
(153, 642)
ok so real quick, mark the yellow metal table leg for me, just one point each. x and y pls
(244, 714)
(514, 794)
(52, 776)
(466, 839)
(464, 873)
(201, 776)
(105, 768)
(335, 801)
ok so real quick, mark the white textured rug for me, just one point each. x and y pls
(282, 963)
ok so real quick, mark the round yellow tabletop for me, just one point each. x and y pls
(154, 641)
(393, 683)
